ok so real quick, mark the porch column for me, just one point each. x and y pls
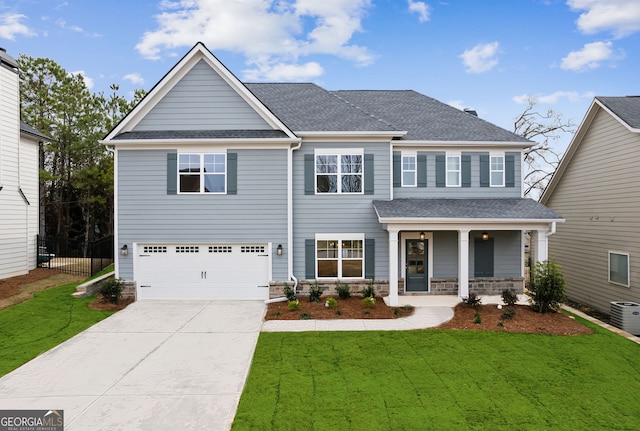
(393, 267)
(463, 263)
(542, 246)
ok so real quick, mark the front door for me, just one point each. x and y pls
(417, 273)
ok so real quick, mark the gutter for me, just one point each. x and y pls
(552, 231)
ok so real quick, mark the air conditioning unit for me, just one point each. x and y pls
(626, 316)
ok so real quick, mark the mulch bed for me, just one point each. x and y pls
(351, 308)
(11, 286)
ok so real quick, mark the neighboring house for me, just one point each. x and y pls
(227, 190)
(597, 189)
(19, 193)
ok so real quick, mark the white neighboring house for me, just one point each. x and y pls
(19, 193)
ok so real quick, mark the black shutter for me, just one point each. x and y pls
(509, 171)
(484, 170)
(172, 173)
(421, 170)
(369, 258)
(310, 259)
(309, 175)
(397, 169)
(466, 170)
(232, 173)
(441, 173)
(368, 174)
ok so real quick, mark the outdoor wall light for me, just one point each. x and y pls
(485, 236)
(422, 236)
(279, 250)
(124, 250)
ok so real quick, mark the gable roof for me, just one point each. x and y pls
(625, 109)
(27, 129)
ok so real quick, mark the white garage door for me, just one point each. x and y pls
(202, 271)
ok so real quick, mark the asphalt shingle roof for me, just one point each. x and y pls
(202, 134)
(627, 108)
(502, 208)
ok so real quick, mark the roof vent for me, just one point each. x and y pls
(471, 111)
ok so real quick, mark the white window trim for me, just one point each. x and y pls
(447, 170)
(202, 173)
(337, 152)
(340, 237)
(403, 170)
(628, 284)
(491, 171)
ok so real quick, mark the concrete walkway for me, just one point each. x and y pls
(156, 365)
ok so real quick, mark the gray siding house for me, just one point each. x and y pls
(596, 188)
(227, 189)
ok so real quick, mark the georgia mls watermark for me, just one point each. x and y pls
(31, 420)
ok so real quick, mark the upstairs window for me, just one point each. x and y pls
(496, 166)
(409, 173)
(339, 171)
(453, 170)
(202, 173)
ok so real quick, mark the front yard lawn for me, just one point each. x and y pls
(33, 327)
(441, 380)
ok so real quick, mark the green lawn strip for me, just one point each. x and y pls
(33, 327)
(441, 380)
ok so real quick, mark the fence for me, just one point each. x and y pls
(75, 257)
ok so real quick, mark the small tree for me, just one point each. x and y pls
(547, 289)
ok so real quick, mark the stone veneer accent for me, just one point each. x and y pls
(381, 287)
(479, 286)
(129, 290)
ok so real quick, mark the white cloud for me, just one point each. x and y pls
(458, 104)
(10, 26)
(620, 17)
(480, 58)
(590, 56)
(134, 78)
(87, 81)
(272, 32)
(284, 72)
(421, 8)
(555, 97)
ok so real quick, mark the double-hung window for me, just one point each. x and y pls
(202, 172)
(340, 255)
(453, 170)
(409, 172)
(619, 268)
(496, 169)
(339, 171)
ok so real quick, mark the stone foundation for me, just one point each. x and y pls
(129, 290)
(381, 287)
(479, 286)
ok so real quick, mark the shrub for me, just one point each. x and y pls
(472, 300)
(509, 297)
(293, 305)
(111, 290)
(305, 316)
(547, 289)
(477, 319)
(368, 291)
(508, 312)
(331, 303)
(343, 290)
(369, 301)
(315, 292)
(289, 292)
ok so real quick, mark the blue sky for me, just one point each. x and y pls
(486, 55)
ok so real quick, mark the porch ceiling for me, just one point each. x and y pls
(464, 210)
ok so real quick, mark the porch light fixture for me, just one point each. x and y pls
(279, 250)
(124, 250)
(485, 236)
(422, 236)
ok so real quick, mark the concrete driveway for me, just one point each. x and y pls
(157, 365)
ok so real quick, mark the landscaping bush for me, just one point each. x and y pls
(368, 291)
(315, 292)
(331, 303)
(111, 290)
(472, 300)
(343, 290)
(508, 312)
(293, 305)
(509, 297)
(289, 292)
(369, 301)
(547, 289)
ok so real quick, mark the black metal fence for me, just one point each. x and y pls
(75, 257)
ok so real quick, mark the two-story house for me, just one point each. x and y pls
(19, 205)
(225, 188)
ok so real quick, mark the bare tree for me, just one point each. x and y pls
(541, 160)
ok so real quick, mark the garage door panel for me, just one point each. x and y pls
(227, 271)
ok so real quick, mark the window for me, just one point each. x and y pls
(409, 173)
(340, 256)
(496, 166)
(619, 268)
(202, 173)
(453, 170)
(339, 172)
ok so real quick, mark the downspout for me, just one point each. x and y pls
(553, 229)
(116, 254)
(290, 151)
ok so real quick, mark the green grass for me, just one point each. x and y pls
(35, 326)
(441, 380)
